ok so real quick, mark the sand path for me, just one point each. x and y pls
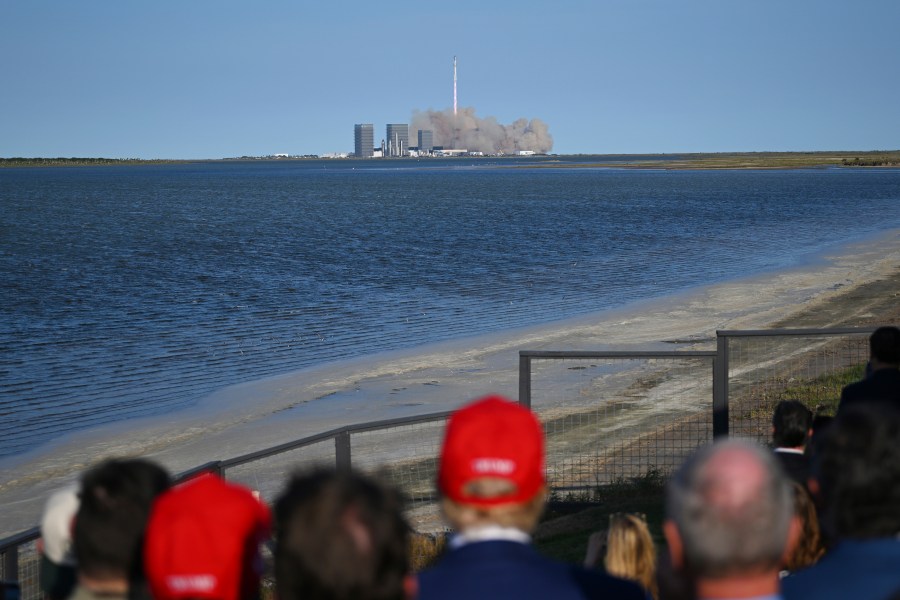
(852, 284)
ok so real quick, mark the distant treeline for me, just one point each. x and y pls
(877, 161)
(75, 162)
(723, 160)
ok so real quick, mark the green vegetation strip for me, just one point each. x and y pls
(742, 160)
(77, 162)
(722, 160)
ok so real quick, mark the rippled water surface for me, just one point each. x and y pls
(134, 291)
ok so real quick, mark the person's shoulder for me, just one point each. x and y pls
(598, 584)
(882, 388)
(861, 569)
(795, 584)
(851, 390)
(489, 569)
(825, 580)
(855, 392)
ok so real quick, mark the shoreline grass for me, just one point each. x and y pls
(669, 161)
(742, 160)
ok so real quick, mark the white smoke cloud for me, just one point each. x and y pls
(467, 130)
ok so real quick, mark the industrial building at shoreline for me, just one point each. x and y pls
(395, 144)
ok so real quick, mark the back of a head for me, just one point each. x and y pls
(791, 422)
(630, 552)
(491, 467)
(203, 540)
(115, 500)
(340, 536)
(884, 345)
(856, 465)
(732, 506)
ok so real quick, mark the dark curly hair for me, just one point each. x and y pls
(791, 422)
(339, 536)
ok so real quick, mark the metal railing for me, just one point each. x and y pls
(757, 369)
(608, 416)
(404, 451)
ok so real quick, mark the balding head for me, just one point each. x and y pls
(732, 507)
(732, 479)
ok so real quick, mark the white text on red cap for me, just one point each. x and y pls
(493, 466)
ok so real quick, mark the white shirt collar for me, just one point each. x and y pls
(789, 450)
(489, 533)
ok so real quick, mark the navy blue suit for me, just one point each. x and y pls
(505, 569)
(858, 570)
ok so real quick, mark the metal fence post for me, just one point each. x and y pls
(214, 467)
(342, 454)
(11, 564)
(524, 380)
(720, 387)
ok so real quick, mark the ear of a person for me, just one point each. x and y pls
(676, 546)
(812, 484)
(794, 531)
(411, 587)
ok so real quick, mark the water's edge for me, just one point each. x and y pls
(246, 417)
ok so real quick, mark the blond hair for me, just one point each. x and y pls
(630, 552)
(523, 516)
(810, 546)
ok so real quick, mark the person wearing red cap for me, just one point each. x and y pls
(491, 477)
(202, 542)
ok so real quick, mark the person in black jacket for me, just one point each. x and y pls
(791, 428)
(883, 382)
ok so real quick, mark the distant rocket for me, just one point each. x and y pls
(454, 86)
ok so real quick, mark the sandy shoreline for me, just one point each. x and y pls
(852, 284)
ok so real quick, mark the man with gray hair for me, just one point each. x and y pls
(730, 522)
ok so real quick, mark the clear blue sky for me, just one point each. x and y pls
(212, 79)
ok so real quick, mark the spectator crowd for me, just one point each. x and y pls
(815, 516)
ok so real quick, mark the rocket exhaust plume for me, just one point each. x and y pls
(463, 129)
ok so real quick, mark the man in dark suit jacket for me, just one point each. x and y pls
(791, 428)
(883, 382)
(856, 477)
(491, 477)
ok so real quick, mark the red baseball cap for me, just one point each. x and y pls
(492, 438)
(202, 541)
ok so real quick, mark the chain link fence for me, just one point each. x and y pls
(766, 367)
(615, 416)
(609, 417)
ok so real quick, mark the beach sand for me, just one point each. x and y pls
(855, 284)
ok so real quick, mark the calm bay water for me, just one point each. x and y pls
(135, 291)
